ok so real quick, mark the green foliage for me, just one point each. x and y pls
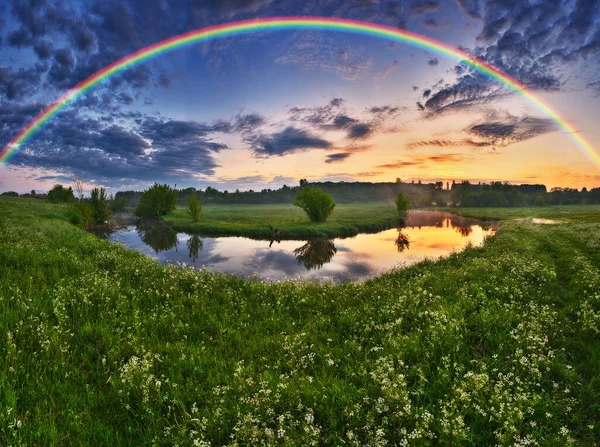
(253, 221)
(10, 194)
(98, 205)
(156, 201)
(119, 204)
(60, 194)
(402, 202)
(316, 203)
(194, 208)
(491, 346)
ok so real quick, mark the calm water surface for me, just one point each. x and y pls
(427, 234)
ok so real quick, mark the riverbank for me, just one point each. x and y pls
(101, 345)
(253, 221)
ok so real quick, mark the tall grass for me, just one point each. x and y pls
(103, 346)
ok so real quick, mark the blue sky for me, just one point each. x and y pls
(264, 109)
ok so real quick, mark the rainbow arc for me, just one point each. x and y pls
(294, 23)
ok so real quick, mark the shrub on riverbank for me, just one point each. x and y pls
(317, 204)
(156, 201)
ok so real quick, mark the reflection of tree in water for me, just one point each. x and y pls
(464, 231)
(402, 242)
(315, 253)
(194, 245)
(157, 235)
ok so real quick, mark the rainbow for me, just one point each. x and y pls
(295, 23)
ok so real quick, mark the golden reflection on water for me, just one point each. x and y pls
(426, 235)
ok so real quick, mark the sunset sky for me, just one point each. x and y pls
(266, 109)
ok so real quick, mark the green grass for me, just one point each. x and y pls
(99, 345)
(253, 220)
(576, 212)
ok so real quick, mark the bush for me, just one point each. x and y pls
(194, 207)
(156, 201)
(100, 211)
(10, 194)
(60, 194)
(315, 202)
(402, 203)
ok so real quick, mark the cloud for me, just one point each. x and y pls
(289, 140)
(337, 157)
(470, 7)
(445, 143)
(432, 61)
(431, 24)
(510, 129)
(423, 161)
(316, 52)
(421, 7)
(385, 73)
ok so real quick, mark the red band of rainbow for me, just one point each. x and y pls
(284, 23)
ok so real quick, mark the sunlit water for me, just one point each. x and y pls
(426, 235)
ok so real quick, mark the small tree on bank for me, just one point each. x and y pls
(194, 207)
(317, 204)
(98, 202)
(402, 203)
(156, 201)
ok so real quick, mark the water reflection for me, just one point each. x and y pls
(402, 242)
(315, 253)
(157, 235)
(426, 235)
(194, 245)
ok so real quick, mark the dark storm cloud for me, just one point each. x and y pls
(166, 131)
(338, 157)
(334, 116)
(19, 38)
(43, 49)
(287, 141)
(426, 93)
(494, 131)
(510, 130)
(17, 84)
(433, 61)
(431, 24)
(360, 131)
(248, 123)
(418, 8)
(532, 42)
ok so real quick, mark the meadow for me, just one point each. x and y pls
(497, 345)
(253, 220)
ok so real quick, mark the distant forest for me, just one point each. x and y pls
(496, 194)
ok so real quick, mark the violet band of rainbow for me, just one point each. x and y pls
(295, 23)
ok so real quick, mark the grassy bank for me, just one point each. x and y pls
(253, 220)
(103, 346)
(589, 213)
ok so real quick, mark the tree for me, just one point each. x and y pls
(402, 202)
(99, 205)
(303, 182)
(60, 194)
(194, 207)
(156, 201)
(317, 204)
(119, 204)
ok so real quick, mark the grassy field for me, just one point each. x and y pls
(496, 345)
(253, 220)
(590, 213)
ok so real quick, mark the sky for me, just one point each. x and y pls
(265, 109)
